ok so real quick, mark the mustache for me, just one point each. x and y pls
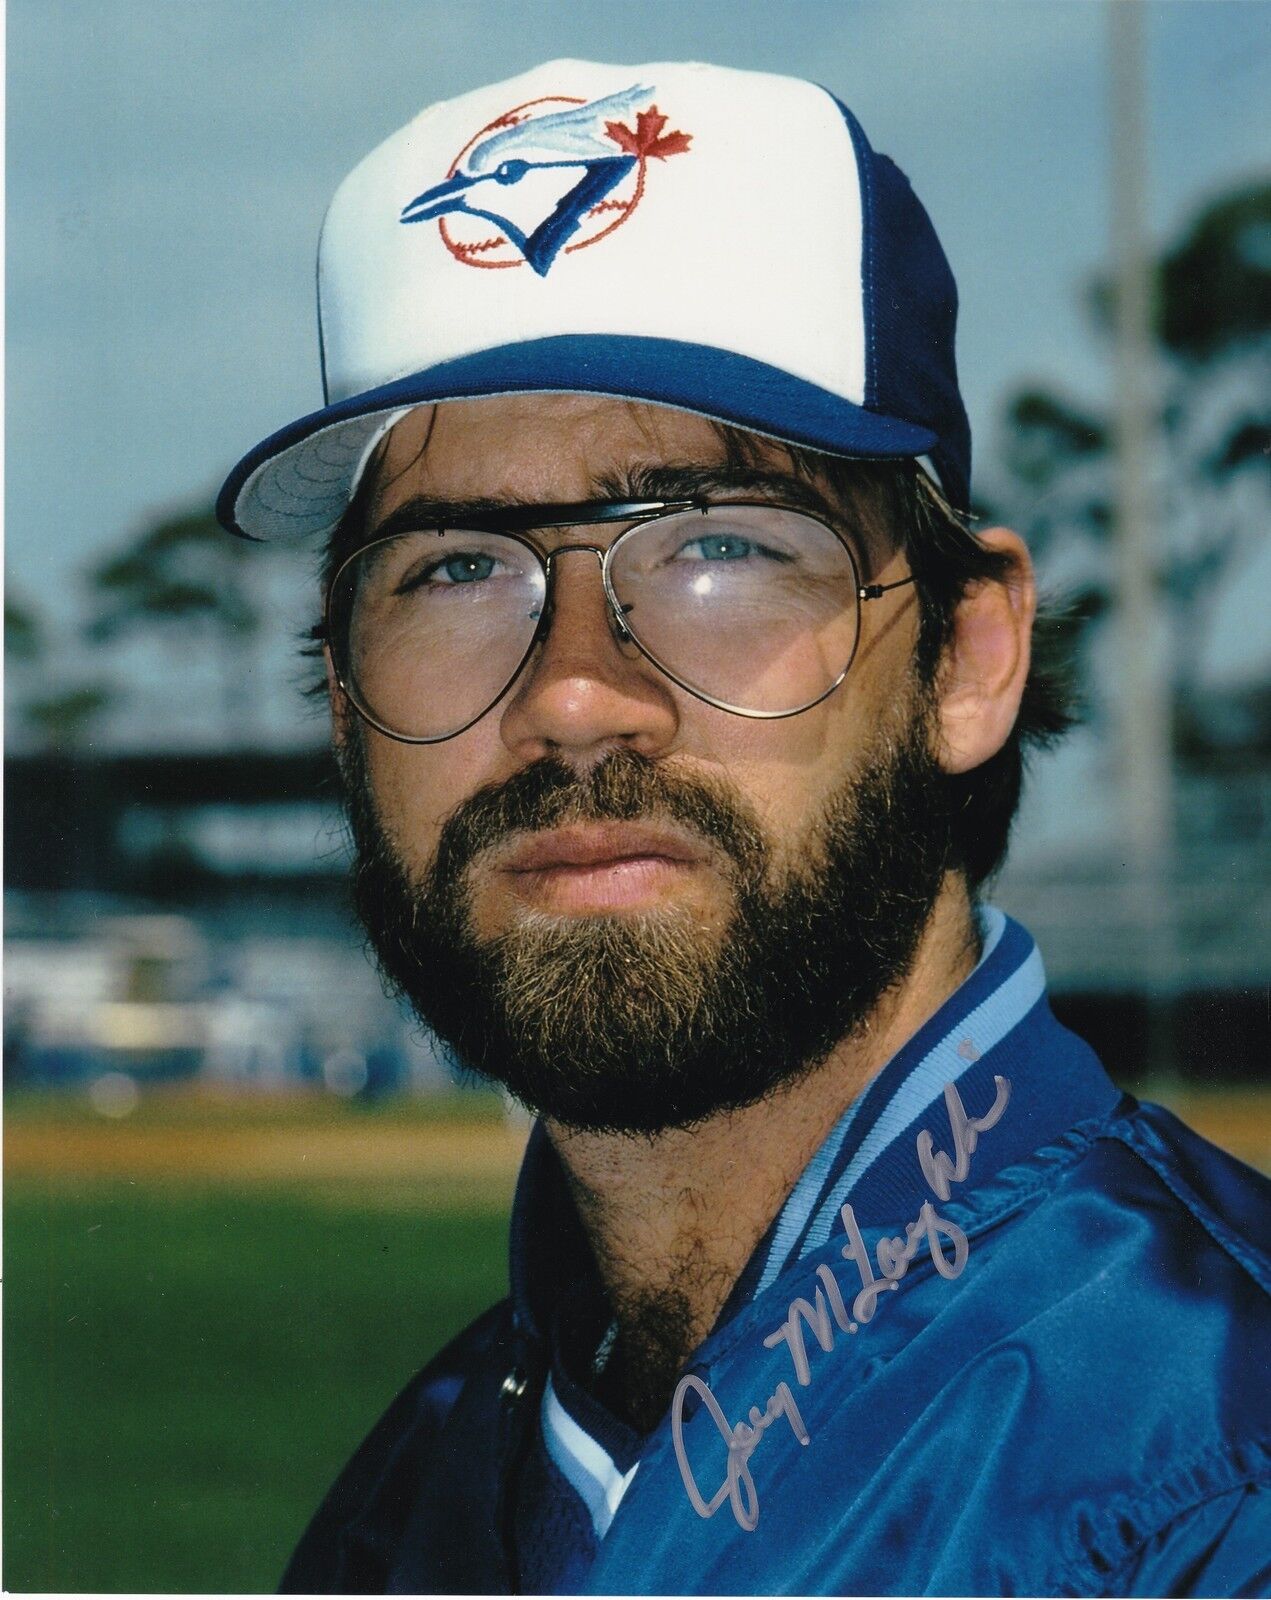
(622, 787)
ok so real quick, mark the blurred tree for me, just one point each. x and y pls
(59, 715)
(67, 719)
(1213, 286)
(1212, 488)
(23, 630)
(183, 575)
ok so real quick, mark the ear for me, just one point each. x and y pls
(986, 660)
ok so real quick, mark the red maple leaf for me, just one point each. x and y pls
(648, 139)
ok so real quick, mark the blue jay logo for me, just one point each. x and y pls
(535, 182)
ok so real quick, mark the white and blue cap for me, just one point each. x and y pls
(724, 242)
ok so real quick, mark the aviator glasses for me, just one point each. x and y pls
(750, 606)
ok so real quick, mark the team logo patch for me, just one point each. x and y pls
(552, 174)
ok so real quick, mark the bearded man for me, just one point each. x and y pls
(682, 720)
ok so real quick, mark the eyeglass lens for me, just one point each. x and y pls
(753, 608)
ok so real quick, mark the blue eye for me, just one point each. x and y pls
(465, 568)
(511, 171)
(721, 547)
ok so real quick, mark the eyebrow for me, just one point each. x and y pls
(661, 481)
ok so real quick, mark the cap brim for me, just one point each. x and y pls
(299, 481)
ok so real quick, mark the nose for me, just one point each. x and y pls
(584, 692)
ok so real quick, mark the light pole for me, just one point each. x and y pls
(1144, 709)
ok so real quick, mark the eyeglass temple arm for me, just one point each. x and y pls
(875, 591)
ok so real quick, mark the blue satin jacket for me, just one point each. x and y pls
(1009, 1334)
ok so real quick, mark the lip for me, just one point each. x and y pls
(592, 845)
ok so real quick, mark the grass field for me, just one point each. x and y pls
(209, 1303)
(206, 1307)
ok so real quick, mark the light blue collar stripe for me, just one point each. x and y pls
(992, 927)
(798, 1208)
(985, 1027)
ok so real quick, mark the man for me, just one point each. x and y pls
(837, 1265)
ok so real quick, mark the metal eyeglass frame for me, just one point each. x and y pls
(515, 522)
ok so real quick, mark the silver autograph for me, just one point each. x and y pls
(948, 1247)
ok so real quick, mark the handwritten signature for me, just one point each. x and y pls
(828, 1310)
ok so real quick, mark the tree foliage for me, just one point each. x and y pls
(66, 719)
(183, 570)
(1214, 286)
(57, 710)
(23, 630)
(1211, 467)
(1211, 289)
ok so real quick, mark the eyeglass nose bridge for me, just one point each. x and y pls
(621, 631)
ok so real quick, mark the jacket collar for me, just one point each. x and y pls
(998, 1023)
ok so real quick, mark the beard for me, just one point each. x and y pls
(644, 1022)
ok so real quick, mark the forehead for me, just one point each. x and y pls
(552, 447)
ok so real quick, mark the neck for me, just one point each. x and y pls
(674, 1218)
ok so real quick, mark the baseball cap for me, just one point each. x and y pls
(720, 241)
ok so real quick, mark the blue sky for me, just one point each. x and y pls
(169, 162)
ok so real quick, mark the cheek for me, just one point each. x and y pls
(788, 768)
(416, 787)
